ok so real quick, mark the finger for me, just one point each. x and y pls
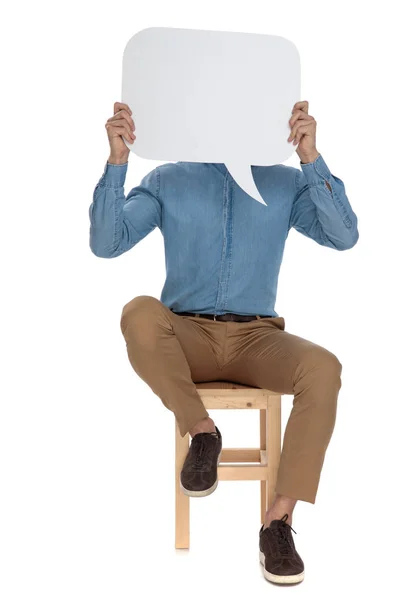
(302, 105)
(303, 130)
(126, 115)
(299, 114)
(300, 123)
(120, 105)
(120, 122)
(117, 130)
(300, 131)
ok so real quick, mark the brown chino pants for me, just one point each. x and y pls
(172, 352)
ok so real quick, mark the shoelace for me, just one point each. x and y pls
(203, 450)
(282, 536)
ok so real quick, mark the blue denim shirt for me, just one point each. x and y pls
(223, 249)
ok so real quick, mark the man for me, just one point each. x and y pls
(216, 319)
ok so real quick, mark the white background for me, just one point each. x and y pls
(87, 493)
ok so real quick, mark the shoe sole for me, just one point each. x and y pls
(279, 578)
(201, 493)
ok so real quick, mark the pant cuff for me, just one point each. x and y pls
(296, 494)
(186, 424)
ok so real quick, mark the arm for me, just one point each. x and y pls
(321, 209)
(118, 223)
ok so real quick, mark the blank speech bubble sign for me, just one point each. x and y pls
(212, 96)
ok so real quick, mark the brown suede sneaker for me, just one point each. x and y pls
(278, 555)
(200, 469)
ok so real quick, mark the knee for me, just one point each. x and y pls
(140, 309)
(329, 363)
(318, 380)
(335, 366)
(322, 361)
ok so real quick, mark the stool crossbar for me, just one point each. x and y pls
(235, 462)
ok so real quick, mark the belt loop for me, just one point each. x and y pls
(258, 316)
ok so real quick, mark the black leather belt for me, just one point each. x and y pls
(224, 317)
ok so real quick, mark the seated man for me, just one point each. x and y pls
(216, 317)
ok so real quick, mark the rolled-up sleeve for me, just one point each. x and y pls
(117, 223)
(321, 209)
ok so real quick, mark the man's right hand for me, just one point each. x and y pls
(121, 124)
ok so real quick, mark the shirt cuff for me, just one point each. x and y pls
(316, 172)
(114, 175)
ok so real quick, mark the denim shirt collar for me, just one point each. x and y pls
(220, 166)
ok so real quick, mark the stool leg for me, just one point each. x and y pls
(263, 446)
(273, 443)
(182, 514)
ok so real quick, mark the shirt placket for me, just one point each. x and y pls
(226, 246)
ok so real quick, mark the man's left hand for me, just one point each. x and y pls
(303, 132)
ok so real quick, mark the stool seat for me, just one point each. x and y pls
(219, 395)
(265, 458)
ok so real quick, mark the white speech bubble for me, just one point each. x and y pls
(212, 96)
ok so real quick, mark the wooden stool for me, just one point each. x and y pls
(220, 395)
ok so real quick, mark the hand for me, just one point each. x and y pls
(120, 124)
(303, 132)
